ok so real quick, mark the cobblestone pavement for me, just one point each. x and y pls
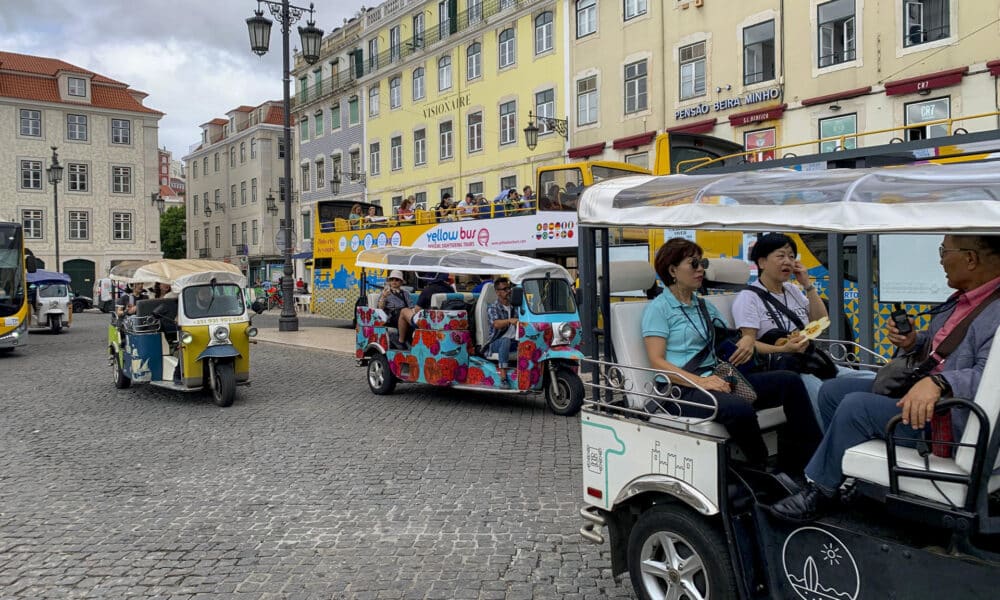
(308, 487)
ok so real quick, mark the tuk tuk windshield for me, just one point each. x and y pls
(549, 295)
(53, 290)
(220, 300)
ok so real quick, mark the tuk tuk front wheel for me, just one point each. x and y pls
(121, 380)
(380, 377)
(564, 395)
(55, 323)
(223, 384)
(673, 553)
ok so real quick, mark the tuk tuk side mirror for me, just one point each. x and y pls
(30, 264)
(517, 297)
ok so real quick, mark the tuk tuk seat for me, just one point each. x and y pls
(630, 350)
(484, 329)
(869, 461)
(438, 300)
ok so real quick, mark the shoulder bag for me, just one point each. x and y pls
(813, 361)
(738, 384)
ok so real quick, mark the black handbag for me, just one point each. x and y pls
(813, 361)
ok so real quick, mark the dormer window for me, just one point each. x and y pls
(77, 87)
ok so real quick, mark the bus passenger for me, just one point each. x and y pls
(437, 285)
(405, 210)
(355, 217)
(466, 209)
(855, 414)
(373, 217)
(446, 210)
(676, 334)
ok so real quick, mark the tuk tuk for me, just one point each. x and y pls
(50, 300)
(195, 337)
(449, 338)
(683, 516)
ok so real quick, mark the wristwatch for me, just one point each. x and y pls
(942, 383)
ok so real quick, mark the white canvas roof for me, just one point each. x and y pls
(927, 198)
(180, 272)
(466, 262)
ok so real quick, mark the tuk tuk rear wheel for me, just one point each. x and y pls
(380, 377)
(224, 384)
(569, 399)
(674, 553)
(55, 323)
(121, 380)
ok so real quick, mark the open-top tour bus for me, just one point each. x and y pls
(445, 340)
(685, 519)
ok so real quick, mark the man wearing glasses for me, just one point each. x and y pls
(504, 320)
(855, 414)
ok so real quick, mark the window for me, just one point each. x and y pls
(394, 44)
(372, 54)
(508, 53)
(374, 158)
(320, 174)
(586, 101)
(243, 233)
(318, 120)
(419, 147)
(353, 115)
(475, 131)
(204, 166)
(543, 32)
(474, 61)
(255, 239)
(444, 73)
(335, 117)
(758, 53)
(395, 92)
(925, 21)
(281, 148)
(635, 87)
(418, 30)
(842, 125)
(32, 222)
(31, 123)
(253, 190)
(194, 206)
(445, 137)
(77, 177)
(243, 193)
(475, 11)
(836, 32)
(335, 165)
(218, 198)
(640, 159)
(76, 127)
(505, 4)
(232, 157)
(355, 158)
(305, 177)
(194, 170)
(304, 128)
(218, 236)
(509, 182)
(421, 200)
(31, 174)
(232, 195)
(232, 234)
(761, 143)
(476, 189)
(586, 17)
(418, 83)
(692, 70)
(253, 148)
(545, 102)
(121, 226)
(197, 238)
(373, 101)
(447, 24)
(508, 122)
(79, 225)
(216, 162)
(121, 132)
(396, 153)
(121, 180)
(634, 8)
(922, 112)
(77, 86)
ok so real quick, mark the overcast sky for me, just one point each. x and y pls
(192, 57)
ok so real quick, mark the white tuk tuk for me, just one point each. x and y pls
(682, 517)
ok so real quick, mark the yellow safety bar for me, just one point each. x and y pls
(697, 163)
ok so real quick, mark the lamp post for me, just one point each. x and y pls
(560, 126)
(55, 176)
(259, 28)
(158, 202)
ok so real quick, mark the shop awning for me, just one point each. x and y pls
(633, 141)
(928, 82)
(756, 116)
(994, 67)
(585, 151)
(703, 126)
(844, 95)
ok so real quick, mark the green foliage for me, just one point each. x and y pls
(172, 226)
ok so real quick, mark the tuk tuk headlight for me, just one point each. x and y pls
(562, 334)
(221, 334)
(187, 338)
(251, 332)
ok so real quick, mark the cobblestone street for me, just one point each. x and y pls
(308, 487)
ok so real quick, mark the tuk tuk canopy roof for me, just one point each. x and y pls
(42, 276)
(926, 198)
(465, 262)
(180, 273)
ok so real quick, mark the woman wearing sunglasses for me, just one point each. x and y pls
(676, 334)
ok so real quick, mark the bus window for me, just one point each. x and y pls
(816, 244)
(558, 189)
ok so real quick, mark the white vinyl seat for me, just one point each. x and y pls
(869, 461)
(630, 350)
(484, 329)
(438, 299)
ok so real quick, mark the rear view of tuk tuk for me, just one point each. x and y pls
(195, 337)
(450, 345)
(683, 515)
(50, 300)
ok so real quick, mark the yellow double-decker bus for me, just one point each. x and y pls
(13, 287)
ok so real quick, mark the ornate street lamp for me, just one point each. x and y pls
(272, 207)
(560, 126)
(55, 172)
(259, 28)
(158, 202)
(335, 184)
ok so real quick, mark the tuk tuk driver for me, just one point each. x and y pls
(202, 301)
(126, 303)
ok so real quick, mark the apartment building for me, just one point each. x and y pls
(106, 140)
(235, 189)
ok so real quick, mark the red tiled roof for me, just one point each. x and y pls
(219, 121)
(34, 78)
(244, 108)
(275, 116)
(166, 190)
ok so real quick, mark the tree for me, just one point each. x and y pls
(172, 233)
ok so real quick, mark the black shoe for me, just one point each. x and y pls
(807, 505)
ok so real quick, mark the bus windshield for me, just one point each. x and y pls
(11, 270)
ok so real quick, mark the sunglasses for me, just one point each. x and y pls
(502, 289)
(697, 262)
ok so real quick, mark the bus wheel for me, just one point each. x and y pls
(380, 377)
(121, 380)
(673, 553)
(564, 395)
